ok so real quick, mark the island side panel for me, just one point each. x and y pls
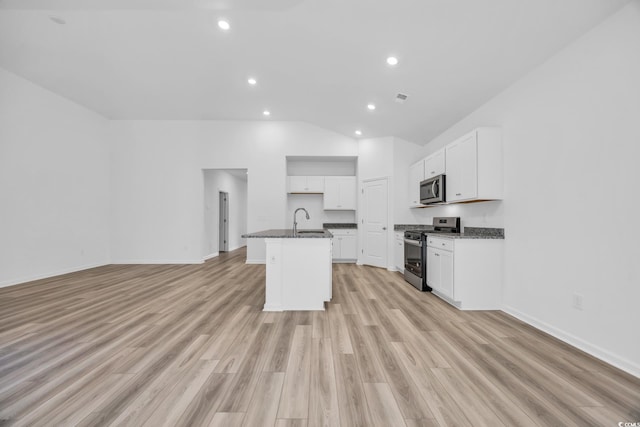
(307, 273)
(273, 289)
(299, 273)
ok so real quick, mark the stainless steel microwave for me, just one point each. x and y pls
(432, 190)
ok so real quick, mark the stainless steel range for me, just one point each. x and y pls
(415, 250)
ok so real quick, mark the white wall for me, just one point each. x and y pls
(404, 154)
(572, 144)
(54, 184)
(215, 181)
(157, 193)
(314, 204)
(158, 186)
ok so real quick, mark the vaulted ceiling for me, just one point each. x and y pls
(319, 61)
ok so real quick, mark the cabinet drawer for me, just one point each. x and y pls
(342, 231)
(440, 243)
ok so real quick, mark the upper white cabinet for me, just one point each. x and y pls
(474, 166)
(416, 175)
(305, 184)
(340, 193)
(434, 165)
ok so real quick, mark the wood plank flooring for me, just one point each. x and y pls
(188, 345)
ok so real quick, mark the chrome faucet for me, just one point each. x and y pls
(295, 224)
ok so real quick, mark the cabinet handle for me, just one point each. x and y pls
(433, 172)
(458, 194)
(443, 244)
(437, 254)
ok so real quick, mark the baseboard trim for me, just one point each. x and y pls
(256, 261)
(158, 261)
(595, 351)
(213, 255)
(21, 280)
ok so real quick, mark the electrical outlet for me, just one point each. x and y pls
(578, 302)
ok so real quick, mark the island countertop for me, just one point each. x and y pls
(289, 234)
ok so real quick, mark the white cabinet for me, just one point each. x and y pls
(416, 175)
(344, 245)
(440, 266)
(467, 273)
(340, 193)
(474, 166)
(399, 251)
(434, 165)
(305, 184)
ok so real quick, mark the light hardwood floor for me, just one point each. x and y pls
(189, 345)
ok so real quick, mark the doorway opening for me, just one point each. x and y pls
(225, 211)
(223, 226)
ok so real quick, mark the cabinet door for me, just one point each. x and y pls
(433, 268)
(348, 247)
(416, 175)
(399, 253)
(335, 247)
(315, 184)
(297, 184)
(348, 193)
(462, 171)
(331, 196)
(340, 193)
(434, 165)
(446, 273)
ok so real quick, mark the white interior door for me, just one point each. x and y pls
(374, 221)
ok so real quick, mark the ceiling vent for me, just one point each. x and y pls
(401, 98)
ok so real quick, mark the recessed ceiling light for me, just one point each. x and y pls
(252, 81)
(266, 112)
(58, 20)
(371, 107)
(392, 60)
(358, 132)
(224, 25)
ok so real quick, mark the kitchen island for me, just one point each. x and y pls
(299, 269)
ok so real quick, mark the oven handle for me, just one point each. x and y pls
(413, 242)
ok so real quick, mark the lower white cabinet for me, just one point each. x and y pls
(440, 271)
(399, 251)
(466, 273)
(344, 245)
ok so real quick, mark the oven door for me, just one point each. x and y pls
(413, 257)
(432, 190)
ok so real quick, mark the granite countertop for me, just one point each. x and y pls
(339, 225)
(288, 234)
(403, 227)
(468, 232)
